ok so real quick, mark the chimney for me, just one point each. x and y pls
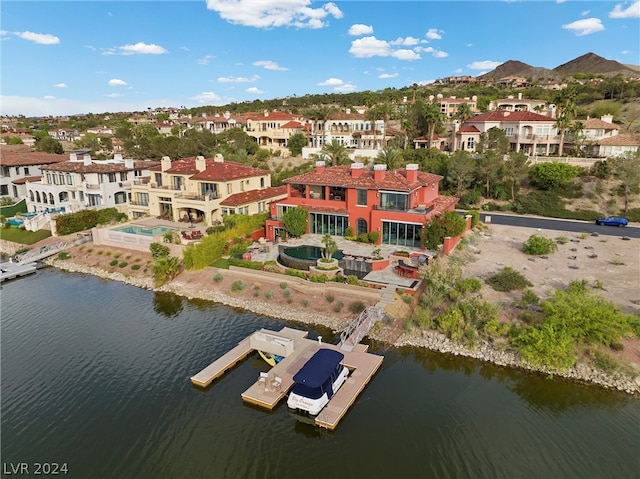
(519, 96)
(379, 172)
(356, 169)
(412, 172)
(201, 163)
(319, 166)
(218, 158)
(129, 163)
(117, 157)
(87, 160)
(607, 118)
(73, 157)
(165, 163)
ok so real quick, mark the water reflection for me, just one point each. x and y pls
(167, 304)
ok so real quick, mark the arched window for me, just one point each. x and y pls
(361, 226)
(30, 195)
(51, 200)
(38, 196)
(44, 198)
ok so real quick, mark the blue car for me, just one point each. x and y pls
(613, 221)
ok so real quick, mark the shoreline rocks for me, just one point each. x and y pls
(431, 340)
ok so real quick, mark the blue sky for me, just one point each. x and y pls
(72, 57)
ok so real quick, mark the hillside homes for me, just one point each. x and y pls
(601, 138)
(202, 189)
(393, 203)
(82, 182)
(20, 164)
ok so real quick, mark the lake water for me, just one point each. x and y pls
(95, 374)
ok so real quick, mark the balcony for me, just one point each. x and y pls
(142, 204)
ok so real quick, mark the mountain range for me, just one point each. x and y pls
(588, 63)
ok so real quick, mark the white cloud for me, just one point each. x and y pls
(254, 90)
(585, 27)
(39, 38)
(408, 41)
(457, 70)
(60, 85)
(359, 29)
(269, 65)
(141, 48)
(206, 97)
(384, 76)
(434, 34)
(483, 65)
(435, 53)
(585, 13)
(49, 97)
(407, 55)
(625, 52)
(347, 87)
(238, 79)
(205, 59)
(331, 82)
(274, 13)
(632, 11)
(117, 82)
(113, 95)
(425, 82)
(440, 54)
(367, 47)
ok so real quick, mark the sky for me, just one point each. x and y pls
(76, 57)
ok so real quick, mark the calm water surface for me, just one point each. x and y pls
(96, 374)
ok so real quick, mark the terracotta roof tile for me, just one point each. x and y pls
(395, 180)
(252, 196)
(98, 166)
(214, 170)
(598, 124)
(619, 140)
(511, 116)
(23, 155)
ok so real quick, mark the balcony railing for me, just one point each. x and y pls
(144, 204)
(194, 197)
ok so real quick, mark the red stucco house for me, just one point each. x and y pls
(394, 203)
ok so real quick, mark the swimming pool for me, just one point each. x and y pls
(145, 231)
(308, 252)
(15, 222)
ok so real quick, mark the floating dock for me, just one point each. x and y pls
(271, 388)
(10, 270)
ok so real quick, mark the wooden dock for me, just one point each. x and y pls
(269, 393)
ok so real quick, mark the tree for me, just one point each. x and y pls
(374, 114)
(566, 111)
(330, 247)
(626, 170)
(49, 145)
(552, 175)
(461, 170)
(434, 118)
(488, 166)
(295, 143)
(14, 140)
(515, 169)
(493, 139)
(390, 157)
(295, 221)
(464, 112)
(449, 223)
(337, 152)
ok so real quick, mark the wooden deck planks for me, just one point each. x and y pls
(220, 365)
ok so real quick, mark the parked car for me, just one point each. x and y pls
(612, 221)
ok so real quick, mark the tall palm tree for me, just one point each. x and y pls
(566, 111)
(389, 156)
(434, 118)
(385, 110)
(373, 115)
(464, 112)
(336, 151)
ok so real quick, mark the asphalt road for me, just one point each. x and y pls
(559, 224)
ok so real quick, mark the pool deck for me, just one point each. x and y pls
(268, 393)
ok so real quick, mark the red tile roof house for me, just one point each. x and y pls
(395, 203)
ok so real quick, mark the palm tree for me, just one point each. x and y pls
(385, 110)
(337, 152)
(434, 118)
(389, 156)
(464, 112)
(373, 115)
(319, 114)
(565, 113)
(330, 247)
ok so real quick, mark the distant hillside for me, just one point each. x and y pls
(592, 63)
(588, 63)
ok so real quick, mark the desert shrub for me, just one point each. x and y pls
(295, 272)
(255, 293)
(217, 278)
(305, 303)
(318, 278)
(407, 298)
(238, 286)
(508, 279)
(451, 323)
(283, 285)
(289, 300)
(338, 306)
(63, 255)
(537, 244)
(268, 295)
(529, 298)
(550, 175)
(159, 250)
(353, 279)
(562, 240)
(356, 307)
(329, 298)
(113, 262)
(135, 267)
(348, 231)
(363, 238)
(243, 263)
(468, 285)
(373, 236)
(123, 264)
(286, 293)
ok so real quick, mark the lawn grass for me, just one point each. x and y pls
(17, 235)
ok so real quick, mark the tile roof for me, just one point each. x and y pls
(468, 129)
(214, 170)
(246, 197)
(27, 179)
(292, 124)
(510, 116)
(395, 180)
(98, 166)
(271, 115)
(598, 124)
(619, 140)
(443, 203)
(23, 155)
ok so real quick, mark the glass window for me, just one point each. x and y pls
(393, 201)
(362, 197)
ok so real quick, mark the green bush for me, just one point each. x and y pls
(238, 286)
(135, 267)
(363, 238)
(305, 303)
(508, 280)
(159, 250)
(113, 262)
(348, 231)
(537, 245)
(356, 307)
(373, 236)
(217, 278)
(329, 298)
(124, 264)
(295, 272)
(63, 255)
(283, 285)
(468, 285)
(338, 306)
(407, 298)
(318, 278)
(243, 263)
(268, 295)
(286, 293)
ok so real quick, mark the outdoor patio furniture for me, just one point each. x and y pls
(192, 235)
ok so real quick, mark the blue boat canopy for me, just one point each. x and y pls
(319, 368)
